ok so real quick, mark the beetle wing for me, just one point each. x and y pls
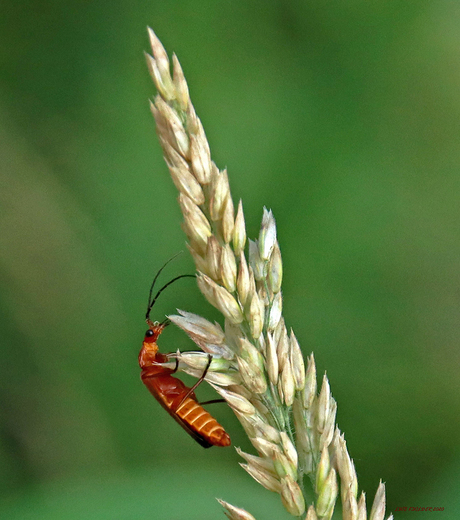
(166, 390)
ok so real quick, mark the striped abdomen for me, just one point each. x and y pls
(202, 423)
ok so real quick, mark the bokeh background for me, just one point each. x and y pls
(344, 118)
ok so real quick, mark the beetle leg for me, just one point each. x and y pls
(159, 374)
(203, 375)
(176, 367)
(212, 401)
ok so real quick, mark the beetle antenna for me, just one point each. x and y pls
(151, 303)
(154, 299)
(158, 274)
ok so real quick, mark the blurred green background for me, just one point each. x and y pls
(344, 118)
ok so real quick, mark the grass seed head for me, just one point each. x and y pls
(258, 369)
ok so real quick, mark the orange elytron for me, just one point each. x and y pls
(175, 397)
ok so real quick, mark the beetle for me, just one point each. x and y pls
(174, 396)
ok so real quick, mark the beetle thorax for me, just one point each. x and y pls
(147, 355)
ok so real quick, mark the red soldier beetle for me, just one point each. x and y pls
(174, 396)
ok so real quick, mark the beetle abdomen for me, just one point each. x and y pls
(203, 423)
